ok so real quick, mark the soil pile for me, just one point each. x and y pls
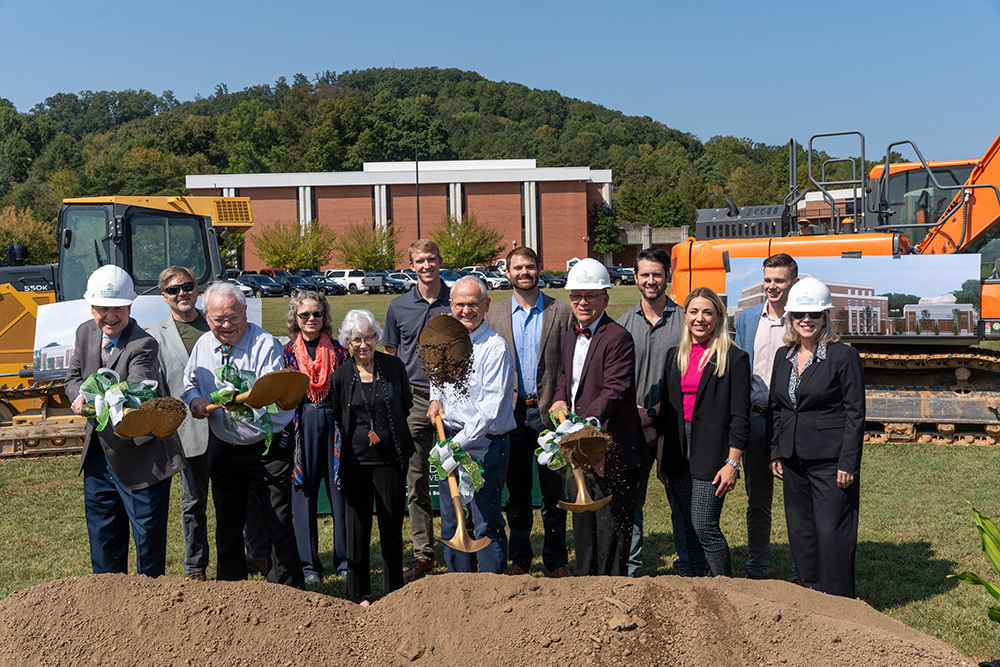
(159, 416)
(455, 619)
(446, 352)
(585, 448)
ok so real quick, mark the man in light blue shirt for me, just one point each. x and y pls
(479, 419)
(236, 461)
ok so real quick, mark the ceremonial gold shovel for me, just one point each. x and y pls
(584, 502)
(285, 387)
(461, 541)
(160, 417)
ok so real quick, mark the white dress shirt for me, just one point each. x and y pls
(579, 357)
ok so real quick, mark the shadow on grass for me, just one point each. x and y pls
(892, 574)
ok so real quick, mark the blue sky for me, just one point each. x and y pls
(767, 69)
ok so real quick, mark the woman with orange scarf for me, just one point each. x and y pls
(313, 350)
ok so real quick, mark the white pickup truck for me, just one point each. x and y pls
(355, 280)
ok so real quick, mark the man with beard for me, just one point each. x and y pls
(533, 326)
(655, 324)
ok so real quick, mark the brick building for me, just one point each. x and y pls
(543, 208)
(921, 319)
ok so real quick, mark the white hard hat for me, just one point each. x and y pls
(588, 274)
(809, 294)
(110, 286)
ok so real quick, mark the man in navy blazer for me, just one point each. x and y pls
(759, 330)
(598, 380)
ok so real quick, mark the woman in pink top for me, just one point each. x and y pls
(704, 426)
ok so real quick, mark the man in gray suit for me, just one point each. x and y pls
(177, 335)
(124, 481)
(533, 325)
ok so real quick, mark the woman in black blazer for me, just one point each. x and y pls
(818, 404)
(371, 398)
(704, 426)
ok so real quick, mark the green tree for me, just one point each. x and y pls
(20, 226)
(466, 242)
(289, 246)
(897, 301)
(605, 234)
(368, 247)
(969, 293)
(753, 185)
(925, 319)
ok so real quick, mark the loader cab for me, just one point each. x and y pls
(141, 239)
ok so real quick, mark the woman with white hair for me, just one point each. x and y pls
(371, 398)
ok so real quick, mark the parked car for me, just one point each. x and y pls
(231, 274)
(550, 281)
(408, 280)
(262, 285)
(355, 280)
(492, 280)
(330, 287)
(620, 276)
(307, 273)
(299, 284)
(450, 277)
(246, 289)
(275, 273)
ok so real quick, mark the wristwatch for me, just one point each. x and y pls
(651, 413)
(733, 463)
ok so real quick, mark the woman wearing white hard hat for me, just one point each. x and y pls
(818, 401)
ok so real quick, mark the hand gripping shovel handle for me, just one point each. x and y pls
(461, 540)
(238, 400)
(584, 502)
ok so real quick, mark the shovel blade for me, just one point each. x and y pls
(577, 508)
(462, 542)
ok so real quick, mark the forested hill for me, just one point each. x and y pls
(137, 143)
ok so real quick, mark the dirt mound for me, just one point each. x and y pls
(455, 619)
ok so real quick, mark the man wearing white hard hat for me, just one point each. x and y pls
(598, 380)
(125, 482)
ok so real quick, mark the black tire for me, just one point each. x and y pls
(352, 288)
(257, 294)
(618, 282)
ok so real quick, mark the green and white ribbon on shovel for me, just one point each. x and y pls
(108, 396)
(230, 382)
(548, 452)
(449, 455)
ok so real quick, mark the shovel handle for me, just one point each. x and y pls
(239, 400)
(440, 427)
(560, 416)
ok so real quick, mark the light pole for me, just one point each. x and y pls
(416, 171)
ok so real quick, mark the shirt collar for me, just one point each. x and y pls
(515, 306)
(481, 332)
(668, 310)
(820, 354)
(443, 295)
(241, 344)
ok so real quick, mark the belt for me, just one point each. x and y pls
(530, 402)
(318, 406)
(421, 392)
(759, 410)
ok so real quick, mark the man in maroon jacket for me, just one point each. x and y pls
(598, 380)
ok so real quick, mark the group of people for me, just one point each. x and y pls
(666, 382)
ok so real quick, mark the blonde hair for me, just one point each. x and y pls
(826, 333)
(423, 245)
(719, 343)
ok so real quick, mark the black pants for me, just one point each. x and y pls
(603, 538)
(236, 472)
(822, 524)
(386, 486)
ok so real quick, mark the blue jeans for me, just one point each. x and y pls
(111, 507)
(486, 515)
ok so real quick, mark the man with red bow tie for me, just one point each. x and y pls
(598, 380)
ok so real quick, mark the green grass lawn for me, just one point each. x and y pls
(915, 527)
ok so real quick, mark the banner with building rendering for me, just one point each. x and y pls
(911, 295)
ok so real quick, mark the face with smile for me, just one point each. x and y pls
(183, 302)
(427, 266)
(310, 325)
(588, 305)
(777, 282)
(806, 327)
(226, 318)
(363, 345)
(112, 320)
(523, 273)
(468, 305)
(701, 318)
(651, 279)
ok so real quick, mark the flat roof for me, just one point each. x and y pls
(402, 173)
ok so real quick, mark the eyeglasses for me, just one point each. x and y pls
(370, 340)
(797, 315)
(467, 304)
(219, 321)
(589, 298)
(318, 314)
(174, 290)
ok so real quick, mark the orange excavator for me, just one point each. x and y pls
(921, 386)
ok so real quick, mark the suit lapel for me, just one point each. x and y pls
(123, 340)
(548, 314)
(174, 342)
(595, 341)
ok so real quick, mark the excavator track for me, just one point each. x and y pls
(45, 427)
(932, 395)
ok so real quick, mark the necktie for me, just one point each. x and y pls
(106, 346)
(581, 331)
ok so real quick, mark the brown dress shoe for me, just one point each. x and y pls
(561, 572)
(420, 567)
(755, 577)
(515, 569)
(196, 576)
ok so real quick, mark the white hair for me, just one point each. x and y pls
(355, 322)
(472, 280)
(224, 288)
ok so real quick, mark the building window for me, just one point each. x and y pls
(314, 204)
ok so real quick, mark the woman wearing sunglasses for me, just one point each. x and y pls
(704, 426)
(313, 351)
(818, 401)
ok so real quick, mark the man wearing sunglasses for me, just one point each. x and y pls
(177, 335)
(759, 330)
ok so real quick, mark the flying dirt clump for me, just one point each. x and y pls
(585, 448)
(446, 352)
